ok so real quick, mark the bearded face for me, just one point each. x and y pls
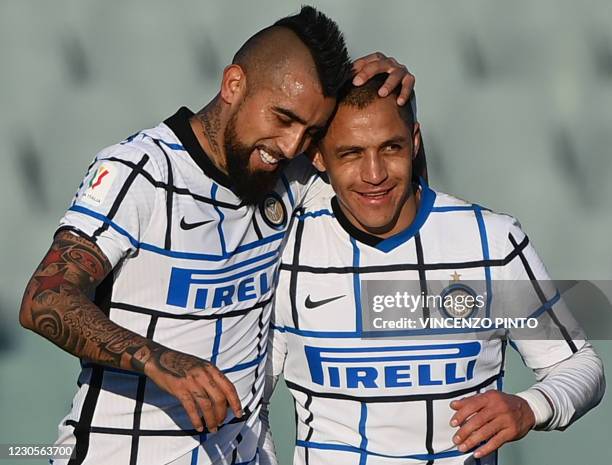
(251, 185)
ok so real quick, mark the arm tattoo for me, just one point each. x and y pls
(176, 363)
(171, 362)
(61, 312)
(60, 309)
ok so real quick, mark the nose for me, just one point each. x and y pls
(373, 168)
(291, 143)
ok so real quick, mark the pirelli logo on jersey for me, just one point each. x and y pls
(208, 291)
(392, 367)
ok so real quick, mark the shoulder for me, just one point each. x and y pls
(299, 170)
(497, 226)
(318, 199)
(146, 152)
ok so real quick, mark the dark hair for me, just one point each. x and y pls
(362, 96)
(326, 44)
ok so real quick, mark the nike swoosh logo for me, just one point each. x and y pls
(187, 226)
(317, 303)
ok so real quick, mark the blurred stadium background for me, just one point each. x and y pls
(515, 100)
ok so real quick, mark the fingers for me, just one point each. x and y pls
(394, 78)
(217, 392)
(212, 401)
(202, 388)
(228, 390)
(208, 411)
(408, 82)
(399, 77)
(493, 444)
(466, 408)
(479, 435)
(198, 406)
(359, 63)
(493, 417)
(474, 423)
(376, 63)
(371, 69)
(189, 404)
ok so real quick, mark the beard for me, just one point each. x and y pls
(251, 186)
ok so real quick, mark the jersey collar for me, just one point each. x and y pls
(179, 124)
(428, 197)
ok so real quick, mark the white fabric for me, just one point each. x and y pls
(567, 390)
(343, 412)
(202, 289)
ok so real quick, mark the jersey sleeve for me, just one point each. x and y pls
(529, 292)
(114, 204)
(567, 390)
(304, 182)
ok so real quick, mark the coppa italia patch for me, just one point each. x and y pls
(99, 185)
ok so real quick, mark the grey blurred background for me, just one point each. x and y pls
(515, 101)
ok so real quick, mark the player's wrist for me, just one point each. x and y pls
(538, 405)
(140, 358)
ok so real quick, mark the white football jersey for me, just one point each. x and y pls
(363, 399)
(194, 270)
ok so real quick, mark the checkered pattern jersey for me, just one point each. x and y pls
(194, 270)
(384, 401)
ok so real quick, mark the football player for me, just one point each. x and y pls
(160, 276)
(412, 396)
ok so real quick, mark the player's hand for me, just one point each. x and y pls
(202, 388)
(494, 417)
(375, 63)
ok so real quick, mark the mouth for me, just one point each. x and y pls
(266, 158)
(373, 195)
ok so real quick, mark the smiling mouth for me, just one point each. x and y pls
(266, 157)
(375, 195)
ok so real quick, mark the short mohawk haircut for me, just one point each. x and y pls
(326, 44)
(361, 96)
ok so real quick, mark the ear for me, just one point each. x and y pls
(233, 84)
(316, 158)
(416, 139)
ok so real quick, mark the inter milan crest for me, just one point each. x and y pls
(273, 211)
(459, 300)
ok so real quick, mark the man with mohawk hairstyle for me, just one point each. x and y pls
(160, 276)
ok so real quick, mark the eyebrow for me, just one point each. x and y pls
(357, 148)
(289, 114)
(394, 140)
(348, 148)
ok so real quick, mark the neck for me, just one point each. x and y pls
(207, 125)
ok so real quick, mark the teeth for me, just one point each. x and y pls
(267, 158)
(376, 195)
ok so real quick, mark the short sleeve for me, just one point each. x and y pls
(304, 183)
(114, 203)
(318, 193)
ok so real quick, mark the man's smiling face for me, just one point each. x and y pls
(275, 122)
(367, 153)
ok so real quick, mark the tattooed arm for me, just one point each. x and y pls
(56, 306)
